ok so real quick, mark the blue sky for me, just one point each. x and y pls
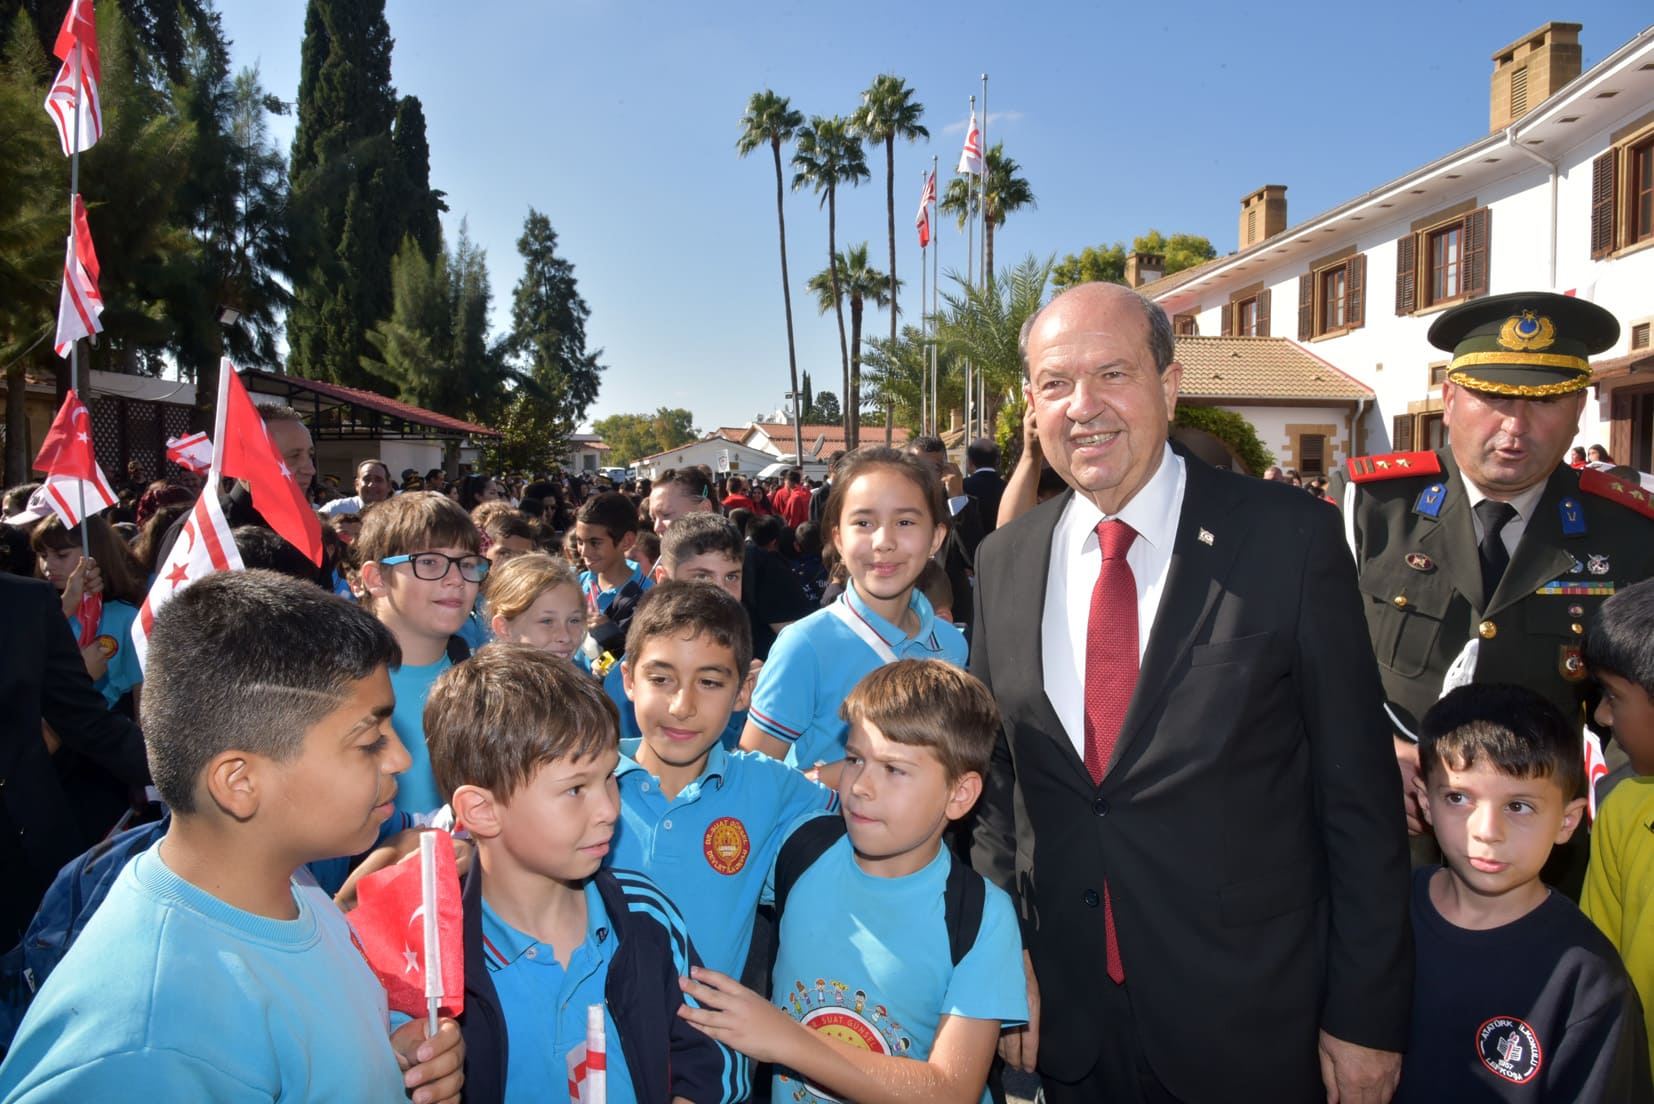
(619, 121)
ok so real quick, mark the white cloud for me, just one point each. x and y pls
(994, 119)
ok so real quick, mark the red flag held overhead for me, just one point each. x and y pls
(249, 454)
(75, 91)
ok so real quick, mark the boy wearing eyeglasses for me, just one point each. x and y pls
(421, 568)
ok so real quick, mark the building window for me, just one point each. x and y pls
(1331, 299)
(1312, 454)
(1639, 335)
(1642, 192)
(1246, 318)
(1444, 262)
(1438, 373)
(1247, 314)
(1183, 325)
(1622, 196)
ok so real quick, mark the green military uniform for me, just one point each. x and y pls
(1408, 519)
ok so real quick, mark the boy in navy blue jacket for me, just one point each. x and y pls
(525, 748)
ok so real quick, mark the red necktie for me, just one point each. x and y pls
(1110, 677)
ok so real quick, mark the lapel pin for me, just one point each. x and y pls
(1206, 537)
(1418, 561)
(1596, 565)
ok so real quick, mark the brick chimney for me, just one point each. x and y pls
(1144, 268)
(1529, 70)
(1263, 214)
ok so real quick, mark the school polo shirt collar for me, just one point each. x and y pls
(893, 637)
(717, 762)
(503, 945)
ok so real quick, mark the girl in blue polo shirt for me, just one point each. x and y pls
(113, 665)
(884, 520)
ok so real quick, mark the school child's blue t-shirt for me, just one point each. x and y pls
(712, 848)
(416, 790)
(816, 662)
(544, 1004)
(115, 638)
(866, 960)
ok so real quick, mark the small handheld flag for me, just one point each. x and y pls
(418, 957)
(193, 452)
(1596, 769)
(79, 304)
(433, 929)
(75, 485)
(204, 545)
(249, 454)
(588, 1062)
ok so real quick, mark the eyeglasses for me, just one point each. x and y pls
(432, 566)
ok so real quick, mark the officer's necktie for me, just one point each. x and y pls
(1110, 677)
(1494, 516)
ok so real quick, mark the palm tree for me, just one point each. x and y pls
(982, 325)
(770, 120)
(888, 112)
(851, 277)
(829, 154)
(1007, 192)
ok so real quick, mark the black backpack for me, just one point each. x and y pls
(962, 898)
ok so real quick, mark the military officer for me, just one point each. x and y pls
(1484, 560)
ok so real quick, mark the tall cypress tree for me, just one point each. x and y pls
(356, 190)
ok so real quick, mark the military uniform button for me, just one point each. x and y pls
(1090, 898)
(1400, 600)
(1487, 630)
(1579, 630)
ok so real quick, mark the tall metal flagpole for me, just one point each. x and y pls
(74, 346)
(935, 281)
(924, 323)
(970, 270)
(987, 277)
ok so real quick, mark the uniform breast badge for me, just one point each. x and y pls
(726, 845)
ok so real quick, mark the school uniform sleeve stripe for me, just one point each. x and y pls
(645, 898)
(774, 727)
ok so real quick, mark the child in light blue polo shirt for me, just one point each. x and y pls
(704, 823)
(885, 519)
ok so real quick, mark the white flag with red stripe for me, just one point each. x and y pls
(922, 219)
(970, 158)
(75, 91)
(204, 545)
(193, 452)
(80, 304)
(1596, 769)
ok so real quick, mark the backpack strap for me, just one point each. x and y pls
(458, 650)
(962, 902)
(808, 843)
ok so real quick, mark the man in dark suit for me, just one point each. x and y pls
(42, 678)
(1191, 800)
(984, 483)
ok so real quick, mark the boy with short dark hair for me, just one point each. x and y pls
(1513, 985)
(213, 970)
(524, 747)
(874, 1001)
(1619, 885)
(704, 821)
(421, 568)
(605, 529)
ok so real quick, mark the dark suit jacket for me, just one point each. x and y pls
(987, 488)
(1249, 826)
(42, 677)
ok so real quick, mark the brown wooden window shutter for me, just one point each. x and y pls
(1640, 335)
(1407, 274)
(1263, 313)
(1227, 317)
(1476, 228)
(1306, 306)
(1355, 291)
(1401, 433)
(1604, 171)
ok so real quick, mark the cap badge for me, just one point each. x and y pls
(1527, 331)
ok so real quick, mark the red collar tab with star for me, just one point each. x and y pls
(1627, 492)
(1370, 469)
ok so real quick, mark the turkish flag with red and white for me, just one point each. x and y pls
(75, 91)
(390, 931)
(204, 545)
(247, 453)
(193, 452)
(922, 220)
(73, 478)
(79, 304)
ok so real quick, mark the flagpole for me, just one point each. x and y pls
(935, 279)
(924, 323)
(74, 347)
(215, 469)
(987, 277)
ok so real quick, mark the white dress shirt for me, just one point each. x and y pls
(1076, 559)
(1511, 535)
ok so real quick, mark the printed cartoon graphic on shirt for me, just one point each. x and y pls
(848, 1015)
(726, 845)
(1510, 1049)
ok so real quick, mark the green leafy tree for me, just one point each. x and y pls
(902, 371)
(828, 154)
(888, 111)
(634, 436)
(1007, 193)
(416, 343)
(162, 28)
(1232, 429)
(771, 121)
(1107, 263)
(422, 217)
(982, 325)
(859, 282)
(824, 410)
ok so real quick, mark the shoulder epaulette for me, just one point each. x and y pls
(1627, 492)
(1367, 469)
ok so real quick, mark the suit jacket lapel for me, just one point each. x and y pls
(1027, 592)
(1193, 583)
(1539, 556)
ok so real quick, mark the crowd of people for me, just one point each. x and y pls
(714, 764)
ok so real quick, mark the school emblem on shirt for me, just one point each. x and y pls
(107, 645)
(1509, 1048)
(726, 845)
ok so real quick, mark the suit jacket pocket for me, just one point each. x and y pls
(1405, 614)
(1229, 651)
(1269, 895)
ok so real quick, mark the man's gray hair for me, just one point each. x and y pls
(1162, 341)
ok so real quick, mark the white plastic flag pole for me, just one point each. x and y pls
(433, 936)
(596, 1063)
